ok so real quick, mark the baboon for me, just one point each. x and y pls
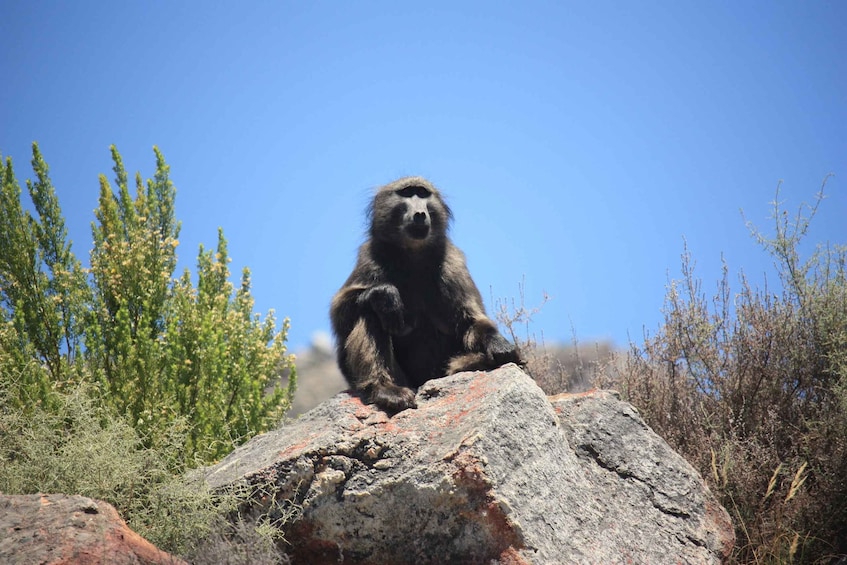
(410, 312)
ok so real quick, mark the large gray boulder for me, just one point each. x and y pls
(486, 469)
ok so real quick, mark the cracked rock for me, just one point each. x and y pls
(487, 469)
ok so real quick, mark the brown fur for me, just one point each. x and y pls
(409, 311)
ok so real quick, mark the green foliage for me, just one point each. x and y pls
(131, 266)
(42, 288)
(80, 446)
(752, 389)
(116, 380)
(158, 351)
(222, 356)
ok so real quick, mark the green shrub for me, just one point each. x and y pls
(155, 349)
(752, 389)
(80, 446)
(116, 380)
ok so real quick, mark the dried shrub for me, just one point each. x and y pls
(751, 387)
(556, 368)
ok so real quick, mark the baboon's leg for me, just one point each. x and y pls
(369, 357)
(486, 349)
(467, 362)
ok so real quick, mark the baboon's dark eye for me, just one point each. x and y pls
(410, 191)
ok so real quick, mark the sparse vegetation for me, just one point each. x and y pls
(751, 387)
(555, 368)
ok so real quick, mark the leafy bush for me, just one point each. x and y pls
(752, 389)
(156, 350)
(116, 380)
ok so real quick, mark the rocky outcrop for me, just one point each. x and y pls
(486, 469)
(57, 529)
(621, 456)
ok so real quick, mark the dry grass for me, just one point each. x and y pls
(751, 387)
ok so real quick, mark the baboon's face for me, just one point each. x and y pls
(409, 214)
(414, 202)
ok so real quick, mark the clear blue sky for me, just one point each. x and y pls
(578, 142)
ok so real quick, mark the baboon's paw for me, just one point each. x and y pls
(393, 398)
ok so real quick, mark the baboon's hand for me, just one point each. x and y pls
(386, 302)
(393, 398)
(502, 351)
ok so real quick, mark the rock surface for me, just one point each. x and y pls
(57, 529)
(486, 469)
